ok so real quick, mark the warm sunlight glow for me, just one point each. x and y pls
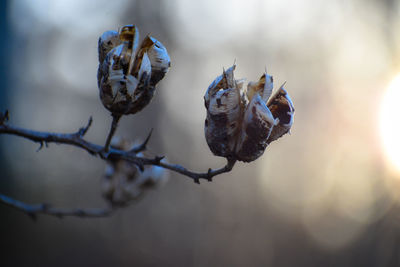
(390, 122)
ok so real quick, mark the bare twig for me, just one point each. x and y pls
(82, 131)
(33, 210)
(194, 175)
(78, 141)
(106, 153)
(142, 146)
(59, 138)
(114, 125)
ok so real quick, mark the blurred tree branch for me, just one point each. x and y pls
(104, 152)
(33, 210)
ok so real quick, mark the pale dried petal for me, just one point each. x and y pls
(136, 60)
(160, 61)
(263, 87)
(130, 34)
(222, 123)
(107, 41)
(145, 69)
(224, 81)
(282, 109)
(258, 123)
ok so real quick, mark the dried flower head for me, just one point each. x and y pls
(128, 73)
(240, 123)
(124, 181)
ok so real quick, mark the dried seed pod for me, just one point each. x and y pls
(159, 58)
(223, 101)
(257, 126)
(241, 130)
(125, 72)
(263, 87)
(124, 182)
(107, 41)
(282, 108)
(224, 81)
(258, 121)
(118, 184)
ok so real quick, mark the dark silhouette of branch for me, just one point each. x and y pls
(196, 176)
(142, 146)
(33, 210)
(77, 139)
(114, 125)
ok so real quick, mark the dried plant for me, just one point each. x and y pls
(240, 123)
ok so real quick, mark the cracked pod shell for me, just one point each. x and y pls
(223, 101)
(258, 123)
(282, 108)
(240, 130)
(125, 72)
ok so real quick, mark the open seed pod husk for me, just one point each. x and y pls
(124, 182)
(240, 125)
(128, 72)
(224, 104)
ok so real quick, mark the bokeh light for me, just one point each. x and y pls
(389, 123)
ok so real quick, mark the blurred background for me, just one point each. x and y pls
(326, 195)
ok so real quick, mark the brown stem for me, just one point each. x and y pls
(114, 126)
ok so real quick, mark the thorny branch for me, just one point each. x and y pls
(33, 210)
(77, 139)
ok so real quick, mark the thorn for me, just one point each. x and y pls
(209, 177)
(142, 146)
(82, 131)
(159, 158)
(4, 117)
(147, 138)
(40, 147)
(103, 154)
